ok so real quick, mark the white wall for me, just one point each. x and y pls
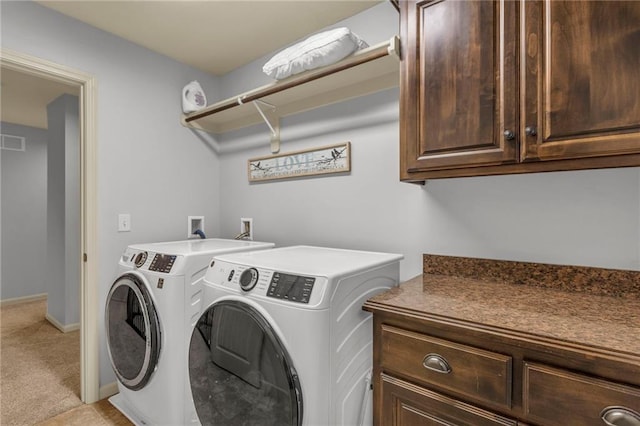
(148, 164)
(583, 217)
(24, 214)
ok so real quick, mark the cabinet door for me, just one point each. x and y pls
(581, 79)
(405, 404)
(458, 84)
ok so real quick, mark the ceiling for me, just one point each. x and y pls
(24, 98)
(212, 35)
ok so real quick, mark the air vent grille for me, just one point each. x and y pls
(13, 143)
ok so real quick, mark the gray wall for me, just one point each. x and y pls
(582, 217)
(63, 210)
(149, 165)
(24, 214)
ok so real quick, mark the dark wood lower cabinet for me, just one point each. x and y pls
(406, 404)
(430, 370)
(556, 396)
(474, 373)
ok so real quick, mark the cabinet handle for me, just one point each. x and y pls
(509, 135)
(530, 131)
(620, 416)
(437, 363)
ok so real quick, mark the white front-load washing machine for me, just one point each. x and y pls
(149, 308)
(283, 340)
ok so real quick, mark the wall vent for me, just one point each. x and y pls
(13, 143)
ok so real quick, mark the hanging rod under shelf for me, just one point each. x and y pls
(389, 48)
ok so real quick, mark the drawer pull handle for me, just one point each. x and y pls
(437, 363)
(620, 416)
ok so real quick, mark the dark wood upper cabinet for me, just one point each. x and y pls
(496, 87)
(586, 100)
(456, 85)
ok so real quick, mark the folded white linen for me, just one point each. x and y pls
(316, 51)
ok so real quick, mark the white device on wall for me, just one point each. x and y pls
(193, 97)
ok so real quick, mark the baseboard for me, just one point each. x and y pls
(24, 299)
(108, 390)
(59, 326)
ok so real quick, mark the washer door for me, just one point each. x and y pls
(240, 373)
(133, 331)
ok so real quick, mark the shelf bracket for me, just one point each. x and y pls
(272, 120)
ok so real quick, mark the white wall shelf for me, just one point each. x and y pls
(366, 71)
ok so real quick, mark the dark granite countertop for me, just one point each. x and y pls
(478, 295)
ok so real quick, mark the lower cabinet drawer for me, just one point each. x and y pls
(405, 404)
(470, 372)
(553, 396)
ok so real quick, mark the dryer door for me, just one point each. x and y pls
(133, 331)
(239, 371)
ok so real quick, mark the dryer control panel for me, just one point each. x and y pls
(295, 288)
(307, 291)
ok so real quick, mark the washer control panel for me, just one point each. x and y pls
(295, 288)
(142, 260)
(162, 263)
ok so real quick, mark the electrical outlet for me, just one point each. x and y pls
(246, 228)
(124, 222)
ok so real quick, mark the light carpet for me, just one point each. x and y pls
(39, 366)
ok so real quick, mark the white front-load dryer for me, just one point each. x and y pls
(283, 339)
(149, 309)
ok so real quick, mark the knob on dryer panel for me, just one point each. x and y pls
(140, 258)
(249, 279)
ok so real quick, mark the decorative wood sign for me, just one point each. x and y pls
(317, 161)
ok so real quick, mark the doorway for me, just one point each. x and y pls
(18, 62)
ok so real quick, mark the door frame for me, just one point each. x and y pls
(89, 362)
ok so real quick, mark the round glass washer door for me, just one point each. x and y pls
(133, 331)
(239, 371)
